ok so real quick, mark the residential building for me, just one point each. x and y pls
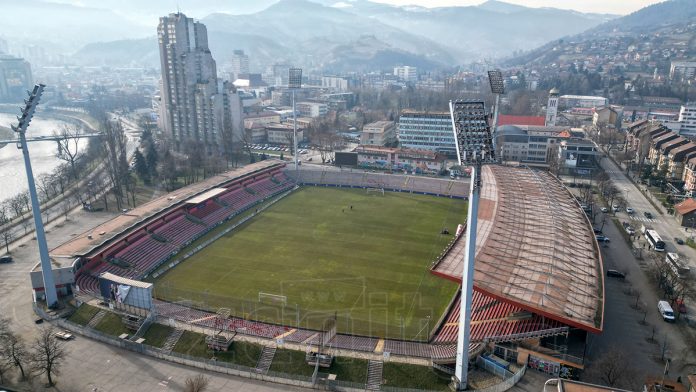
(15, 78)
(683, 70)
(263, 118)
(283, 96)
(378, 133)
(687, 120)
(656, 146)
(410, 160)
(406, 73)
(338, 83)
(339, 101)
(427, 131)
(311, 109)
(552, 108)
(255, 132)
(666, 148)
(193, 106)
(282, 134)
(240, 64)
(581, 101)
(676, 159)
(606, 116)
(689, 176)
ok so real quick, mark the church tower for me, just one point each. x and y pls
(552, 108)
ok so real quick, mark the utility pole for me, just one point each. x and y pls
(21, 129)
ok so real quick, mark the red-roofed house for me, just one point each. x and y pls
(505, 119)
(685, 213)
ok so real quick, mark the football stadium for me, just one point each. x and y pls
(354, 261)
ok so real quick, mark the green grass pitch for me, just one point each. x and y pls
(368, 266)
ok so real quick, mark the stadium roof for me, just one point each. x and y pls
(84, 243)
(206, 195)
(535, 249)
(126, 281)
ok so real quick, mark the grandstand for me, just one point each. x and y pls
(537, 275)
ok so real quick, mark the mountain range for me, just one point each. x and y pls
(658, 21)
(327, 34)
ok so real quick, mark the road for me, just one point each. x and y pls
(665, 224)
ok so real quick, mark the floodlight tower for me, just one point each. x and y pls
(21, 129)
(294, 83)
(495, 78)
(474, 144)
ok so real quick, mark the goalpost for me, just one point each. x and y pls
(375, 190)
(274, 299)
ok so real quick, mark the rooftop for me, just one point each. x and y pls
(82, 244)
(505, 119)
(535, 249)
(686, 207)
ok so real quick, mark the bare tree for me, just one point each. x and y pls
(612, 369)
(17, 205)
(198, 383)
(45, 186)
(6, 234)
(47, 354)
(65, 208)
(15, 353)
(69, 147)
(114, 151)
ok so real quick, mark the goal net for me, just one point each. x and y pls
(375, 190)
(274, 299)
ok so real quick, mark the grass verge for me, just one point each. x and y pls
(111, 324)
(403, 375)
(291, 362)
(83, 314)
(157, 334)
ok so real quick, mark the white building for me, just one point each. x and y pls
(312, 109)
(427, 131)
(406, 73)
(335, 83)
(240, 64)
(682, 70)
(687, 120)
(378, 133)
(581, 101)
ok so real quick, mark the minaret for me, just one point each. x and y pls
(552, 108)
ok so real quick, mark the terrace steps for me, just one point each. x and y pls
(265, 359)
(374, 375)
(94, 321)
(172, 340)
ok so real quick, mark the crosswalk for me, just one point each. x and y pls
(642, 219)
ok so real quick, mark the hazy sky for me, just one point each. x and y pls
(621, 7)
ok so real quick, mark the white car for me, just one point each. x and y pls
(630, 210)
(64, 335)
(605, 209)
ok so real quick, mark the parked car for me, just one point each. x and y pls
(630, 230)
(615, 208)
(665, 311)
(630, 210)
(647, 215)
(605, 209)
(602, 238)
(64, 335)
(679, 240)
(616, 274)
(597, 231)
(6, 259)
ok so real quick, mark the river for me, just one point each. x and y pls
(13, 177)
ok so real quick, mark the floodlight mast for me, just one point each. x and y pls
(21, 129)
(495, 78)
(474, 148)
(294, 82)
